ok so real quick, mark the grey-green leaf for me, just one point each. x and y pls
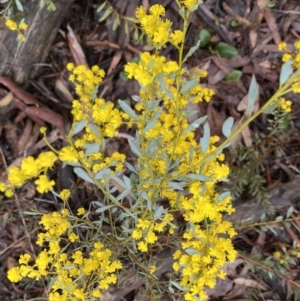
(175, 185)
(127, 109)
(227, 126)
(134, 148)
(106, 14)
(252, 94)
(198, 177)
(191, 51)
(286, 72)
(19, 5)
(104, 173)
(83, 174)
(222, 197)
(78, 127)
(101, 7)
(104, 208)
(189, 85)
(204, 140)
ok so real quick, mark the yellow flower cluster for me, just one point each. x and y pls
(285, 105)
(30, 168)
(146, 231)
(72, 273)
(158, 30)
(12, 25)
(294, 56)
(167, 143)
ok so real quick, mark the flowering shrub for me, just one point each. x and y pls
(175, 175)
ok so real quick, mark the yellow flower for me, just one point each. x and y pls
(11, 25)
(43, 130)
(20, 37)
(65, 194)
(14, 274)
(24, 259)
(70, 66)
(29, 167)
(297, 44)
(80, 211)
(46, 159)
(282, 46)
(152, 269)
(43, 184)
(2, 186)
(142, 246)
(23, 26)
(157, 10)
(9, 193)
(68, 153)
(176, 37)
(286, 57)
(73, 237)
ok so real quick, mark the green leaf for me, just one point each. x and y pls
(104, 208)
(204, 37)
(189, 85)
(134, 148)
(161, 79)
(204, 141)
(136, 34)
(106, 14)
(222, 196)
(19, 5)
(126, 28)
(127, 182)
(286, 72)
(198, 177)
(83, 174)
(104, 173)
(116, 23)
(191, 51)
(94, 129)
(177, 285)
(91, 148)
(127, 109)
(194, 125)
(130, 167)
(271, 108)
(133, 20)
(226, 50)
(31, 213)
(101, 7)
(159, 212)
(233, 76)
(175, 185)
(227, 126)
(252, 94)
(78, 127)
(119, 181)
(182, 12)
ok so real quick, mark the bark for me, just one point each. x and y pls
(23, 63)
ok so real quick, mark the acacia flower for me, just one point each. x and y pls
(68, 153)
(14, 274)
(44, 184)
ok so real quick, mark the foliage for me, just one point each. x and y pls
(175, 176)
(264, 144)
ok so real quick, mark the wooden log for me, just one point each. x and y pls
(22, 63)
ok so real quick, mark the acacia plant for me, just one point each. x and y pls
(176, 176)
